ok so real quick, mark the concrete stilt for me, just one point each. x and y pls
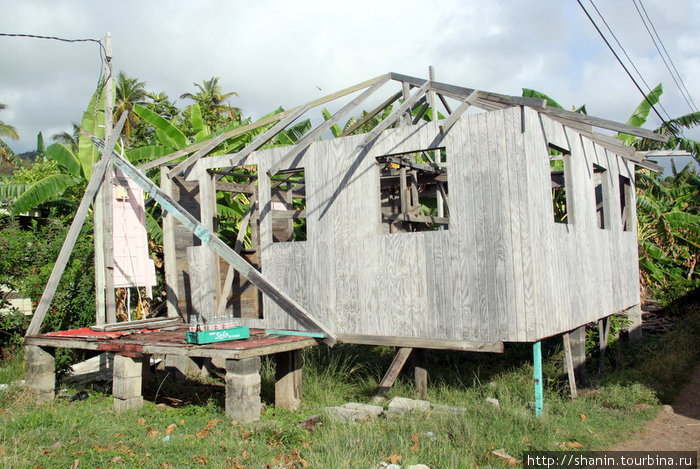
(578, 354)
(634, 314)
(243, 389)
(420, 372)
(288, 379)
(126, 383)
(40, 371)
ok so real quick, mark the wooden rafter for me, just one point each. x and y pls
(396, 115)
(371, 114)
(262, 122)
(316, 133)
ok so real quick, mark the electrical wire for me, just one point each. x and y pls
(595, 25)
(103, 52)
(619, 44)
(685, 94)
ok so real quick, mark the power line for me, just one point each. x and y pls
(628, 57)
(686, 94)
(103, 51)
(590, 18)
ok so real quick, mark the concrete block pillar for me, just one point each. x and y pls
(634, 314)
(126, 383)
(288, 383)
(420, 372)
(40, 371)
(243, 389)
(578, 354)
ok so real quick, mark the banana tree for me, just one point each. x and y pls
(73, 167)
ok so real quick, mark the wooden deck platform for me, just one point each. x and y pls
(134, 348)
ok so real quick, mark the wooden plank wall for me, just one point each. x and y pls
(503, 271)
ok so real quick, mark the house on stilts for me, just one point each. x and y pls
(495, 219)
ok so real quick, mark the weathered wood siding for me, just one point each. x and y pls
(503, 271)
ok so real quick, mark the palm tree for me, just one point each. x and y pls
(7, 131)
(129, 91)
(212, 102)
(67, 139)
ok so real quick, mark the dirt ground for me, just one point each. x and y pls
(675, 428)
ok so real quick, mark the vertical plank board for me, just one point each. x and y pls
(514, 156)
(528, 328)
(539, 209)
(461, 229)
(500, 201)
(589, 228)
(479, 189)
(439, 284)
(575, 251)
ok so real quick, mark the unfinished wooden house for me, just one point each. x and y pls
(489, 219)
(512, 224)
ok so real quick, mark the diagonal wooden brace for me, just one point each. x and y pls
(219, 247)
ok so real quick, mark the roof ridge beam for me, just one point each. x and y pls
(459, 92)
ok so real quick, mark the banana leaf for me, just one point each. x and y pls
(166, 132)
(65, 158)
(44, 190)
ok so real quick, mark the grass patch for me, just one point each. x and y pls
(193, 430)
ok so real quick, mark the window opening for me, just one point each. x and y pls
(414, 194)
(237, 225)
(626, 209)
(558, 160)
(288, 206)
(601, 195)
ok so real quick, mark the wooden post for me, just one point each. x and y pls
(603, 335)
(438, 156)
(288, 380)
(421, 373)
(104, 249)
(392, 373)
(569, 365)
(537, 372)
(169, 252)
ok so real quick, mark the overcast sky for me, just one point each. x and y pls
(281, 52)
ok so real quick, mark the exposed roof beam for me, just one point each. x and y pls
(458, 92)
(383, 125)
(371, 114)
(318, 131)
(652, 153)
(248, 149)
(264, 121)
(605, 124)
(650, 165)
(445, 124)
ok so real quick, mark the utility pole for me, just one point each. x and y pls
(104, 249)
